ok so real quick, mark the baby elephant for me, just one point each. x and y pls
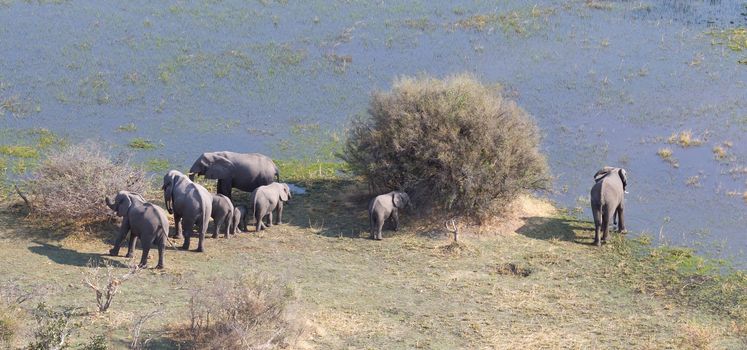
(222, 212)
(266, 199)
(239, 219)
(145, 220)
(383, 207)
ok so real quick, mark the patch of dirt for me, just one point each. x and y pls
(510, 269)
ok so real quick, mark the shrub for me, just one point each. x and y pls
(70, 185)
(453, 144)
(8, 327)
(247, 313)
(54, 328)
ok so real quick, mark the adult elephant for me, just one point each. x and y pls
(141, 219)
(191, 205)
(245, 171)
(608, 199)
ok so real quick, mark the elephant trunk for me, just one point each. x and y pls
(192, 176)
(109, 204)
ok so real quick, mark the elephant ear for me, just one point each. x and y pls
(220, 168)
(123, 204)
(285, 193)
(602, 173)
(399, 202)
(623, 177)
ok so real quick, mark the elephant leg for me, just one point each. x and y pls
(395, 219)
(224, 187)
(614, 217)
(123, 230)
(131, 246)
(269, 222)
(178, 226)
(280, 213)
(620, 219)
(229, 224)
(372, 228)
(606, 218)
(203, 230)
(217, 223)
(161, 249)
(380, 225)
(189, 227)
(146, 249)
(597, 213)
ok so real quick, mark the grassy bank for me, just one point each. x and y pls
(532, 281)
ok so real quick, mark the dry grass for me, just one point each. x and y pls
(667, 155)
(684, 139)
(70, 185)
(719, 152)
(246, 312)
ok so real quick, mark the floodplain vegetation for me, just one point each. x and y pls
(526, 278)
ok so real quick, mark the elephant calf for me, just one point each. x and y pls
(268, 198)
(383, 207)
(144, 220)
(222, 212)
(608, 200)
(239, 219)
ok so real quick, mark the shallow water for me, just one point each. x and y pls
(608, 82)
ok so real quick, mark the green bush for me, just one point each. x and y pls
(453, 144)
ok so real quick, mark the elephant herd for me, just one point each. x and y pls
(193, 206)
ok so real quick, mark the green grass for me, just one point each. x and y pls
(157, 165)
(19, 151)
(142, 144)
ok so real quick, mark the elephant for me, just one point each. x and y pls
(222, 212)
(608, 200)
(244, 171)
(191, 205)
(266, 199)
(239, 219)
(144, 220)
(383, 207)
(600, 174)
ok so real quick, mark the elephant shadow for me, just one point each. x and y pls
(71, 257)
(565, 229)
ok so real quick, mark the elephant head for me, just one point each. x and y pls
(603, 172)
(400, 199)
(169, 182)
(607, 170)
(122, 203)
(285, 194)
(212, 166)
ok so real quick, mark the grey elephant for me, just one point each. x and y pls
(268, 198)
(608, 200)
(143, 220)
(191, 205)
(244, 171)
(383, 207)
(222, 213)
(239, 219)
